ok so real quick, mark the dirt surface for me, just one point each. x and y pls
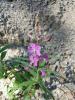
(57, 18)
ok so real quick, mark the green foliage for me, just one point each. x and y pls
(27, 77)
(2, 63)
(26, 82)
(43, 64)
(3, 48)
(3, 55)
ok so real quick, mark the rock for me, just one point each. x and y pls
(38, 95)
(71, 86)
(3, 89)
(63, 93)
(32, 98)
(64, 63)
(11, 53)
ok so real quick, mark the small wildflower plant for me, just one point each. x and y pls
(29, 72)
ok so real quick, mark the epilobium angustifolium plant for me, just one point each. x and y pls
(27, 71)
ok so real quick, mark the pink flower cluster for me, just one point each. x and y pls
(35, 55)
(34, 51)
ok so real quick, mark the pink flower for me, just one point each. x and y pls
(34, 59)
(34, 51)
(44, 57)
(43, 73)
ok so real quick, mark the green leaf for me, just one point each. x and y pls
(3, 55)
(1, 72)
(24, 63)
(43, 87)
(27, 97)
(21, 58)
(42, 64)
(33, 71)
(3, 48)
(19, 77)
(15, 64)
(29, 82)
(27, 75)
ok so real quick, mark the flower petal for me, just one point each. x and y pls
(43, 73)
